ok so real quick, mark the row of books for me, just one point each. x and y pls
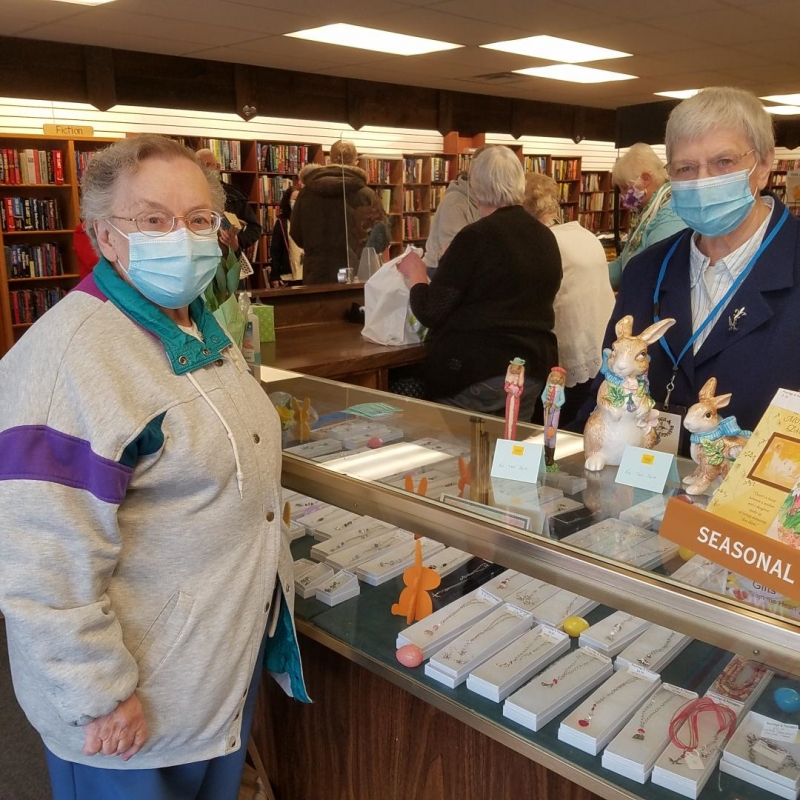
(412, 170)
(437, 193)
(268, 216)
(592, 202)
(228, 152)
(440, 169)
(34, 260)
(385, 196)
(288, 159)
(31, 166)
(536, 164)
(464, 161)
(411, 228)
(82, 159)
(787, 163)
(378, 170)
(566, 169)
(30, 214)
(27, 305)
(592, 221)
(591, 181)
(564, 192)
(569, 213)
(413, 200)
(273, 187)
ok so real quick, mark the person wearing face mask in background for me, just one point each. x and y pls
(286, 256)
(644, 189)
(731, 282)
(144, 576)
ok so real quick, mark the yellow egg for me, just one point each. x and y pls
(685, 553)
(575, 626)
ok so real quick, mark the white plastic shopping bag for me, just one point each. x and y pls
(388, 318)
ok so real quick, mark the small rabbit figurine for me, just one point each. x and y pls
(624, 414)
(715, 442)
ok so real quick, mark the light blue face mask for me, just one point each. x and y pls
(174, 269)
(716, 205)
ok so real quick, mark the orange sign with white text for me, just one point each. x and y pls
(759, 558)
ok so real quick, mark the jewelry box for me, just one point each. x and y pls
(557, 687)
(305, 585)
(506, 583)
(528, 499)
(342, 456)
(439, 446)
(328, 513)
(531, 594)
(340, 587)
(447, 560)
(320, 447)
(634, 750)
(609, 537)
(471, 575)
(383, 435)
(614, 633)
(761, 760)
(645, 514)
(562, 505)
(466, 652)
(357, 531)
(442, 626)
(334, 524)
(649, 553)
(560, 606)
(653, 650)
(741, 683)
(389, 565)
(351, 557)
(569, 484)
(704, 574)
(600, 717)
(566, 523)
(302, 504)
(346, 430)
(512, 666)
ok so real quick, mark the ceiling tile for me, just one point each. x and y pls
(314, 51)
(115, 39)
(725, 29)
(634, 37)
(637, 10)
(266, 57)
(38, 11)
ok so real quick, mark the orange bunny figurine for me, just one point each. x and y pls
(415, 602)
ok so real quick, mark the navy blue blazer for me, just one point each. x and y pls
(753, 361)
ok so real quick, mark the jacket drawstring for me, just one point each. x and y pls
(239, 473)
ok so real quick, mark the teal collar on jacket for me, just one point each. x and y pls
(185, 352)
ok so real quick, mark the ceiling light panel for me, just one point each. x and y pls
(575, 74)
(788, 99)
(84, 2)
(551, 48)
(783, 111)
(679, 94)
(373, 39)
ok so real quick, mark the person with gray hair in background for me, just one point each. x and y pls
(457, 209)
(732, 281)
(645, 190)
(491, 299)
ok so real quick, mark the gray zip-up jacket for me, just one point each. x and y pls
(456, 211)
(140, 526)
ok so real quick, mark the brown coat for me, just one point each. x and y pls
(331, 219)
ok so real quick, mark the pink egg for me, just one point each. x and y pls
(375, 441)
(409, 655)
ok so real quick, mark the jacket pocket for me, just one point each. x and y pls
(163, 635)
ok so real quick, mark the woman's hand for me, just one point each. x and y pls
(413, 269)
(123, 732)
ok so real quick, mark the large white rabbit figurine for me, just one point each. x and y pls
(624, 414)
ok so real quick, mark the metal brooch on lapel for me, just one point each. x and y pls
(733, 319)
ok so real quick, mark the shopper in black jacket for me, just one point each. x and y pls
(491, 299)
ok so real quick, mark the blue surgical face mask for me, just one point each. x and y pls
(716, 205)
(174, 269)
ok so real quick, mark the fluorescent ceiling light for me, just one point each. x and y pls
(575, 74)
(555, 49)
(789, 99)
(786, 111)
(680, 94)
(84, 2)
(372, 39)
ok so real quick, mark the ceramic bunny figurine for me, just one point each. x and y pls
(624, 414)
(715, 442)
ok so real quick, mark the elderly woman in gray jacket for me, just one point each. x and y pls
(144, 576)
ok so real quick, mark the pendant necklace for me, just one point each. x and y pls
(788, 759)
(575, 666)
(480, 568)
(648, 712)
(618, 627)
(647, 657)
(587, 720)
(531, 650)
(462, 651)
(435, 627)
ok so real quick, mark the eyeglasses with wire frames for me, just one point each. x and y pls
(721, 165)
(202, 222)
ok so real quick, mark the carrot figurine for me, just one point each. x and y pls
(422, 488)
(415, 602)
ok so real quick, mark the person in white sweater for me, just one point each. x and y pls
(585, 300)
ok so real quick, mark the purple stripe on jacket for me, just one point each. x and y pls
(89, 286)
(40, 453)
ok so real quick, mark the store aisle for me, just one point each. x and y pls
(23, 772)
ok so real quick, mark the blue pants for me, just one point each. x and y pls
(489, 397)
(215, 779)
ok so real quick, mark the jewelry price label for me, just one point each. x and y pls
(551, 633)
(681, 692)
(641, 672)
(693, 761)
(598, 656)
(772, 753)
(780, 732)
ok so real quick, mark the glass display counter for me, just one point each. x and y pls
(577, 538)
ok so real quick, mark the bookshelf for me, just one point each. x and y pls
(566, 171)
(40, 207)
(385, 176)
(777, 183)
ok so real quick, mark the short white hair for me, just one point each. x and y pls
(639, 158)
(722, 108)
(497, 179)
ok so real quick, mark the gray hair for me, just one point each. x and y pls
(722, 108)
(541, 196)
(99, 182)
(344, 152)
(639, 158)
(497, 179)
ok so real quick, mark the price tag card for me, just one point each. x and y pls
(647, 469)
(520, 461)
(779, 732)
(693, 761)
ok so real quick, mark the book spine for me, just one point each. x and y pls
(58, 166)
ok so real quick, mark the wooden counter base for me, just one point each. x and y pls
(366, 739)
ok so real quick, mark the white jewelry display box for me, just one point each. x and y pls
(645, 513)
(634, 750)
(506, 583)
(557, 687)
(442, 626)
(361, 530)
(649, 553)
(302, 504)
(531, 594)
(740, 684)
(306, 583)
(763, 761)
(653, 650)
(512, 666)
(560, 606)
(614, 633)
(340, 587)
(351, 557)
(599, 718)
(448, 560)
(384, 567)
(569, 484)
(608, 537)
(328, 513)
(452, 663)
(313, 449)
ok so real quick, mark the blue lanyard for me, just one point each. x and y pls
(717, 308)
